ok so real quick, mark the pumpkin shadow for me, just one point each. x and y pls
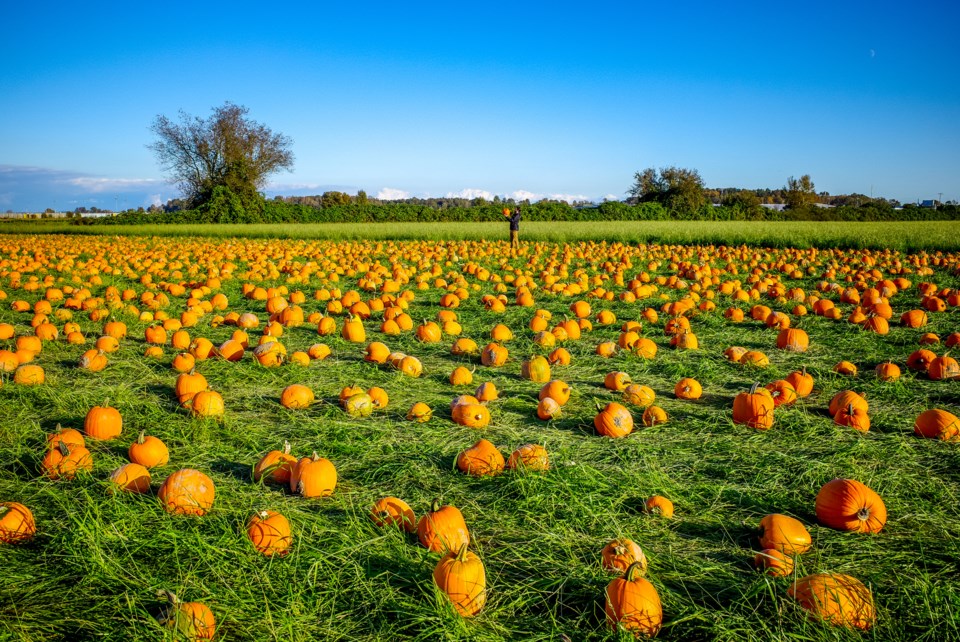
(241, 472)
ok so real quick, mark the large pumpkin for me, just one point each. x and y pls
(187, 492)
(443, 529)
(785, 534)
(633, 604)
(837, 599)
(481, 459)
(849, 505)
(754, 408)
(461, 577)
(937, 424)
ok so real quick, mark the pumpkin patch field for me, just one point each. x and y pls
(305, 439)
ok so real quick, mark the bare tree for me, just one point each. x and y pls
(225, 150)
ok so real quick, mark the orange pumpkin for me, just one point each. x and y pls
(849, 505)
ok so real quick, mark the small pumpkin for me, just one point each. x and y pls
(461, 577)
(536, 369)
(937, 424)
(837, 599)
(64, 461)
(532, 457)
(785, 534)
(269, 532)
(473, 415)
(557, 390)
(420, 413)
(774, 562)
(313, 477)
(103, 422)
(659, 505)
(688, 388)
(391, 511)
(191, 620)
(187, 492)
(130, 478)
(296, 396)
(442, 529)
(801, 382)
(481, 459)
(548, 409)
(639, 395)
(633, 604)
(207, 403)
(856, 418)
(276, 466)
(653, 416)
(16, 523)
(148, 451)
(487, 392)
(754, 408)
(461, 376)
(617, 381)
(613, 421)
(887, 371)
(620, 554)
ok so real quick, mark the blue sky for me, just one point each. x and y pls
(499, 98)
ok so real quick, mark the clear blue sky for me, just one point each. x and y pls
(434, 99)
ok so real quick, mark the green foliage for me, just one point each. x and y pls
(676, 188)
(800, 193)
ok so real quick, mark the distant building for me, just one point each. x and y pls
(777, 207)
(929, 204)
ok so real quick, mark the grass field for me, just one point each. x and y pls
(93, 569)
(904, 236)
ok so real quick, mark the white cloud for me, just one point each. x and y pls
(154, 199)
(392, 194)
(517, 195)
(96, 185)
(471, 193)
(611, 197)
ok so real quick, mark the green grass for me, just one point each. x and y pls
(904, 235)
(94, 568)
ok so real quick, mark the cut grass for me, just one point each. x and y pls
(908, 236)
(92, 571)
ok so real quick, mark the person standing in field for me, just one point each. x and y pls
(514, 226)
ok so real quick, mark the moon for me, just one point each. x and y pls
(873, 54)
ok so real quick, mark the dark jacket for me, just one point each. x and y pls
(515, 222)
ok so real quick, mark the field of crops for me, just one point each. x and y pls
(905, 235)
(370, 327)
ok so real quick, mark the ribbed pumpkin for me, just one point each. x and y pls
(529, 457)
(481, 459)
(888, 371)
(189, 384)
(688, 388)
(276, 466)
(801, 382)
(17, 524)
(639, 395)
(937, 424)
(944, 368)
(64, 461)
(613, 421)
(130, 478)
(471, 415)
(420, 413)
(313, 477)
(557, 390)
(793, 339)
(633, 604)
(620, 554)
(782, 392)
(29, 375)
(207, 403)
(296, 396)
(494, 355)
(654, 415)
(103, 422)
(846, 398)
(148, 451)
(854, 417)
(837, 599)
(754, 408)
(190, 620)
(461, 577)
(919, 360)
(461, 376)
(187, 492)
(659, 505)
(269, 532)
(617, 381)
(536, 369)
(442, 529)
(785, 534)
(849, 505)
(392, 511)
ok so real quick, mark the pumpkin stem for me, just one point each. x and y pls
(850, 409)
(62, 445)
(435, 506)
(263, 514)
(286, 447)
(462, 553)
(316, 457)
(863, 514)
(634, 571)
(59, 428)
(169, 595)
(141, 437)
(753, 388)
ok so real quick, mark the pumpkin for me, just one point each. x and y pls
(473, 415)
(353, 330)
(887, 371)
(856, 418)
(754, 408)
(494, 355)
(943, 368)
(207, 403)
(613, 421)
(645, 348)
(461, 376)
(914, 318)
(379, 398)
(606, 349)
(93, 360)
(183, 362)
(638, 395)
(148, 451)
(501, 333)
(688, 388)
(103, 422)
(616, 381)
(359, 405)
(620, 554)
(187, 492)
(16, 523)
(937, 424)
(29, 375)
(837, 599)
(774, 562)
(70, 436)
(793, 339)
(296, 396)
(782, 392)
(548, 409)
(480, 459)
(269, 532)
(276, 466)
(536, 369)
(461, 577)
(633, 604)
(188, 385)
(486, 392)
(735, 354)
(754, 358)
(653, 416)
(847, 398)
(464, 347)
(785, 534)
(442, 529)
(270, 354)
(846, 368)
(64, 461)
(801, 382)
(529, 457)
(391, 511)
(419, 412)
(429, 332)
(191, 620)
(313, 477)
(556, 390)
(659, 505)
(410, 366)
(130, 478)
(376, 352)
(849, 505)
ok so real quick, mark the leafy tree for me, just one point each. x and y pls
(333, 199)
(361, 198)
(746, 201)
(676, 188)
(800, 193)
(227, 150)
